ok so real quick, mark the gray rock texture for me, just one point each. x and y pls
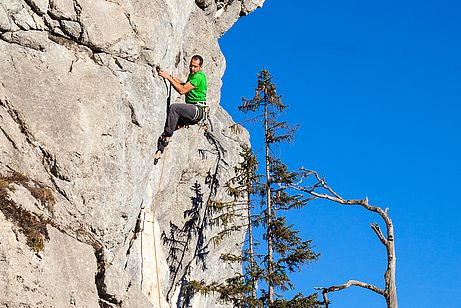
(62, 276)
(86, 219)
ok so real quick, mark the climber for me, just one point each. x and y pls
(190, 113)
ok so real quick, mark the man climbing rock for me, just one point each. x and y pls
(190, 113)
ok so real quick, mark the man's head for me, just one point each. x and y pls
(195, 65)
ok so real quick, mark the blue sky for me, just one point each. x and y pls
(376, 89)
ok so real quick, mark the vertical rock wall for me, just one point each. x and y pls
(86, 220)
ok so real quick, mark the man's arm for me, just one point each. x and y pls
(177, 80)
(180, 87)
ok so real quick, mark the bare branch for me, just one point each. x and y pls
(335, 197)
(350, 283)
(379, 233)
(347, 285)
(328, 193)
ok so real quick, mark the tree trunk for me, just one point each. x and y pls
(252, 254)
(389, 276)
(269, 205)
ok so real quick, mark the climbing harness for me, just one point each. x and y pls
(198, 113)
(204, 114)
(203, 123)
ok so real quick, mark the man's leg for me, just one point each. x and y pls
(185, 112)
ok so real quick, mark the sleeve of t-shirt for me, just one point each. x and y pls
(195, 80)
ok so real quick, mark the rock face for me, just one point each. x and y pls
(86, 220)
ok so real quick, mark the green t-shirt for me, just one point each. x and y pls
(198, 94)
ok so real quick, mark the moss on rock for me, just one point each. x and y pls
(30, 224)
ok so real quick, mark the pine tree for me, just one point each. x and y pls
(286, 251)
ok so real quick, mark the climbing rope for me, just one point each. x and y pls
(155, 197)
(203, 124)
(153, 216)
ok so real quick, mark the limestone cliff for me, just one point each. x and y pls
(86, 220)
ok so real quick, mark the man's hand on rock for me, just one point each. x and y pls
(163, 74)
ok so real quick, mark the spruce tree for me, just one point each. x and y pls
(286, 251)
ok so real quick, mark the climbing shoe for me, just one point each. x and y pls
(156, 159)
(163, 141)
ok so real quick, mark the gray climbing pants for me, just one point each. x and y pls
(179, 115)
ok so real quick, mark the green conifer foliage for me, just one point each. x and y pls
(286, 251)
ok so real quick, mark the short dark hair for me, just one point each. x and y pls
(199, 58)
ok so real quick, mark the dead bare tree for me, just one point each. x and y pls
(390, 291)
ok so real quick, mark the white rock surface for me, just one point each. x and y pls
(80, 113)
(61, 276)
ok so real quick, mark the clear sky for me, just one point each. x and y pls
(376, 87)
